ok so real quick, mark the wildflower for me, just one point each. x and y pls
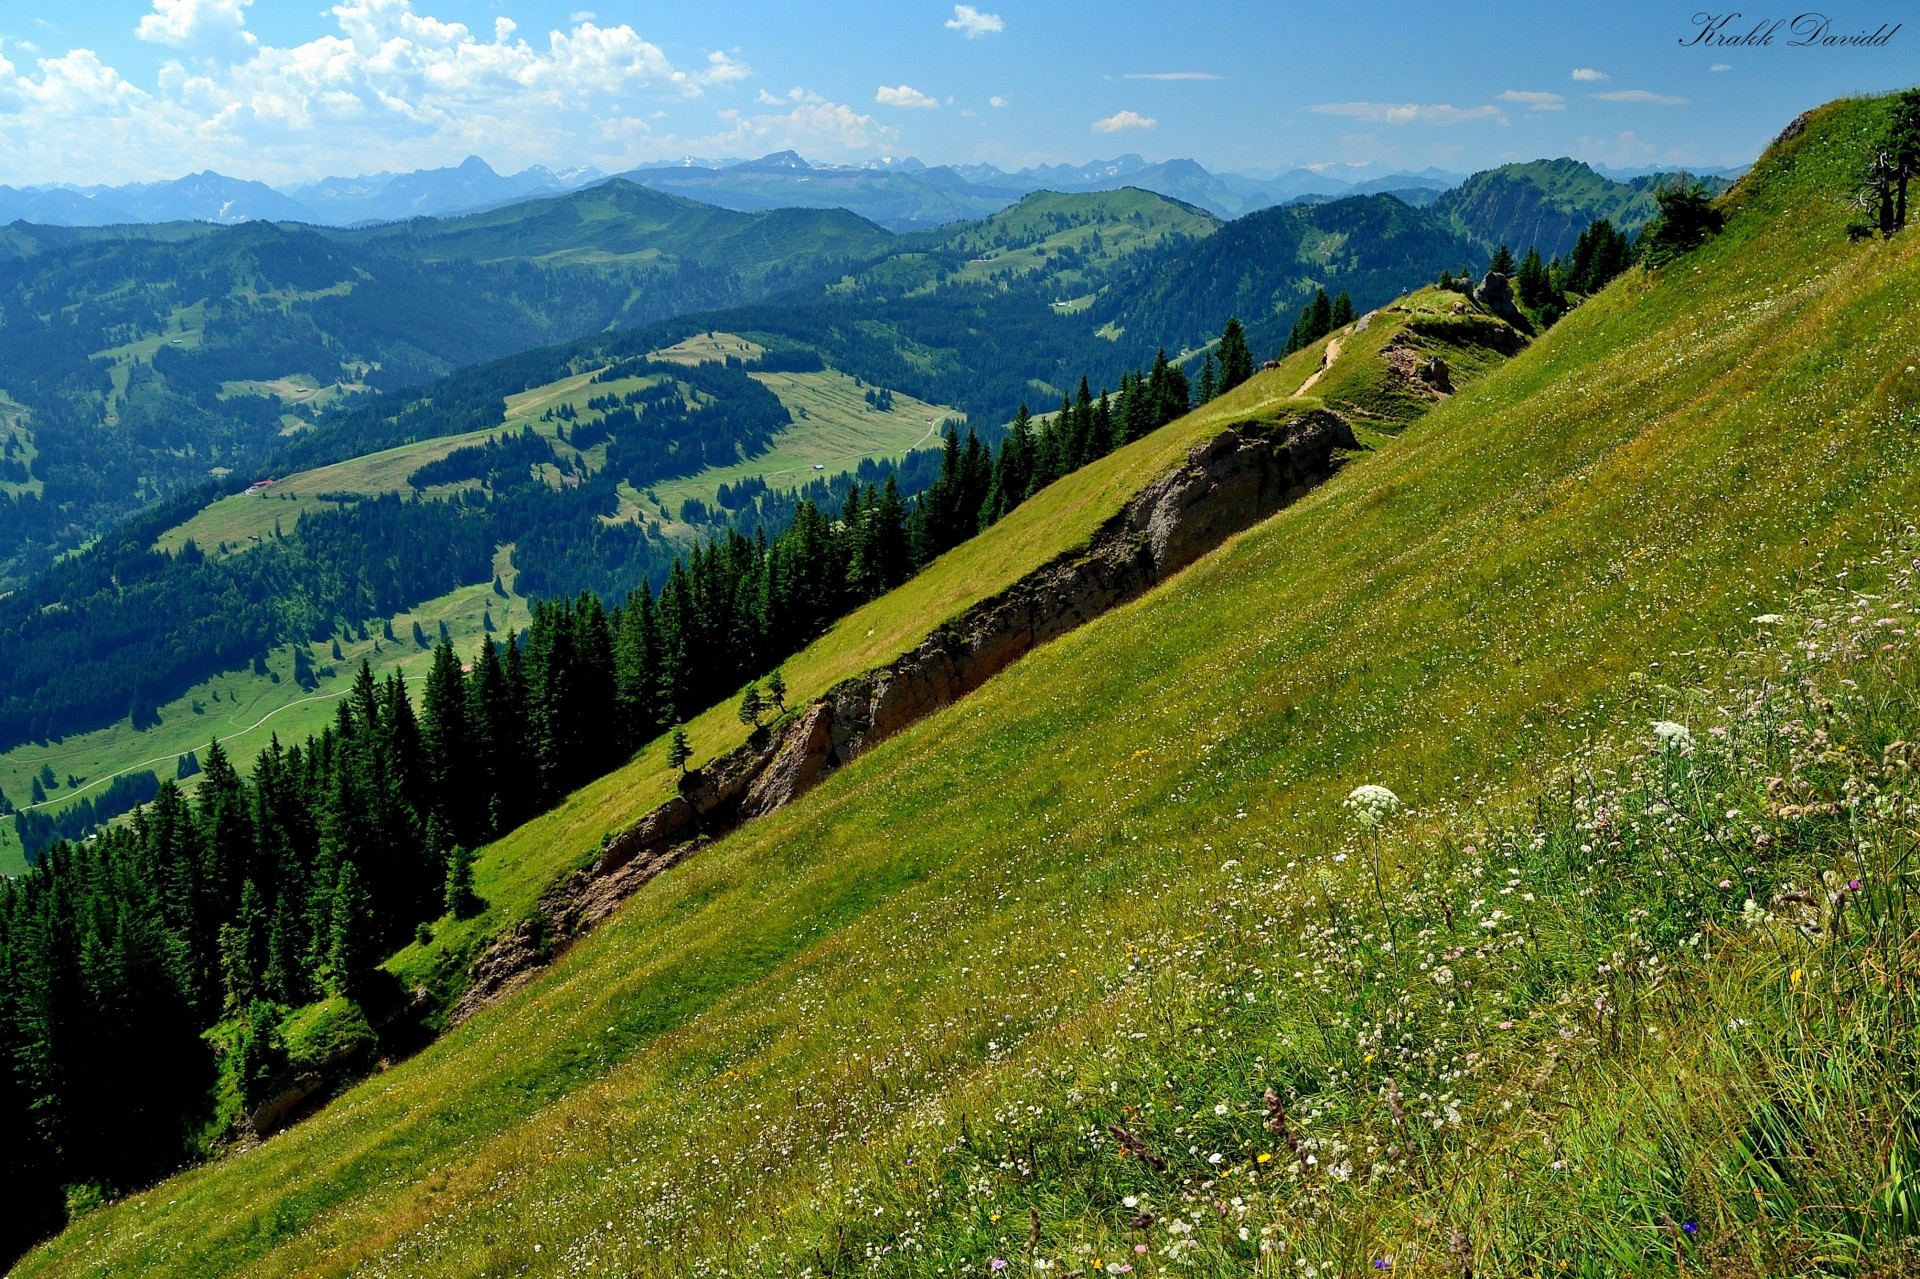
(997, 1264)
(1725, 884)
(1691, 1226)
(1372, 805)
(1672, 737)
(1769, 619)
(1220, 1109)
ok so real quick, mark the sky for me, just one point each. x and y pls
(112, 91)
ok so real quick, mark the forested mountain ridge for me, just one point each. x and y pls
(1019, 307)
(146, 359)
(1547, 203)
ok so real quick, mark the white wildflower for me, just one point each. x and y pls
(1673, 737)
(1372, 805)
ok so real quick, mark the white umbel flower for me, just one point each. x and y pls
(1372, 805)
(1673, 737)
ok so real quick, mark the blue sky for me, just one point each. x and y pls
(123, 90)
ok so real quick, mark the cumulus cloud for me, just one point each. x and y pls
(1533, 101)
(1588, 73)
(973, 24)
(197, 24)
(997, 100)
(1171, 75)
(814, 126)
(1642, 95)
(1120, 120)
(1412, 112)
(389, 84)
(904, 96)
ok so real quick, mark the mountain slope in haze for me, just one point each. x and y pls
(900, 201)
(1097, 961)
(471, 185)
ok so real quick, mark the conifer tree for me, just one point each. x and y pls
(1236, 358)
(349, 933)
(1502, 261)
(777, 691)
(1342, 310)
(679, 750)
(1209, 385)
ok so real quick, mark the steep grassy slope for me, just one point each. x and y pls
(888, 1028)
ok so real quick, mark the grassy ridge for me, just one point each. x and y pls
(774, 1056)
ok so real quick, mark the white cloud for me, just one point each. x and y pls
(997, 100)
(795, 94)
(1588, 73)
(812, 127)
(1623, 150)
(1535, 101)
(1720, 66)
(197, 24)
(904, 96)
(390, 87)
(1641, 95)
(582, 15)
(1171, 75)
(1120, 120)
(722, 69)
(1412, 112)
(973, 24)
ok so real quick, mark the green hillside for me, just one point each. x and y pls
(1547, 203)
(1092, 969)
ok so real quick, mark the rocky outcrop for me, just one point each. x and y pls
(1496, 294)
(1226, 485)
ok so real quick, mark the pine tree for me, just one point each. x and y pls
(1502, 262)
(777, 691)
(349, 933)
(1342, 310)
(751, 706)
(36, 792)
(679, 750)
(1236, 357)
(461, 902)
(1209, 383)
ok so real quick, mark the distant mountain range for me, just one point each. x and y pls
(901, 195)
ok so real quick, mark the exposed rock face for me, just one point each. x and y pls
(1226, 485)
(1496, 294)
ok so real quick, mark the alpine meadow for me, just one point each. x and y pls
(622, 709)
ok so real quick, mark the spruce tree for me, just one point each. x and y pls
(679, 749)
(777, 691)
(1236, 357)
(1209, 385)
(349, 933)
(1502, 261)
(1342, 310)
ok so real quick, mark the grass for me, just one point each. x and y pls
(245, 710)
(834, 429)
(887, 1029)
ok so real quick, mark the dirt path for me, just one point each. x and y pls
(1331, 354)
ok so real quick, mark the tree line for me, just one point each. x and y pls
(181, 938)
